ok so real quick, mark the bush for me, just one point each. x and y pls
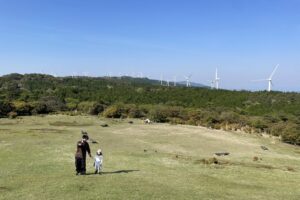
(5, 108)
(231, 118)
(86, 106)
(259, 124)
(97, 108)
(72, 103)
(39, 108)
(22, 108)
(134, 111)
(291, 134)
(12, 115)
(114, 111)
(159, 114)
(53, 104)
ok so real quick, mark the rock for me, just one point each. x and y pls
(264, 148)
(222, 153)
(93, 141)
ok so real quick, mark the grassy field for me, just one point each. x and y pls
(157, 161)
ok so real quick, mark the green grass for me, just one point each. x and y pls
(37, 162)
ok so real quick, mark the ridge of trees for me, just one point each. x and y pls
(276, 113)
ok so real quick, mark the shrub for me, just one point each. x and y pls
(53, 104)
(5, 108)
(85, 106)
(114, 111)
(22, 108)
(97, 108)
(72, 103)
(134, 111)
(159, 114)
(12, 115)
(231, 118)
(39, 108)
(291, 134)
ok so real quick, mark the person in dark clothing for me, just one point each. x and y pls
(79, 158)
(85, 148)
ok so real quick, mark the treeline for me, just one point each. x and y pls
(275, 113)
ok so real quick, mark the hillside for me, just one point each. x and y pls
(276, 113)
(142, 161)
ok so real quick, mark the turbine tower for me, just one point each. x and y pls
(217, 80)
(212, 84)
(187, 78)
(270, 81)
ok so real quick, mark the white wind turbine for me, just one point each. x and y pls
(217, 80)
(270, 82)
(187, 78)
(212, 84)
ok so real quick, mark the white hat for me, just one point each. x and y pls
(98, 151)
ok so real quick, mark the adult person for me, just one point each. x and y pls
(85, 147)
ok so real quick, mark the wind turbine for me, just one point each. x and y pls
(187, 78)
(212, 84)
(217, 80)
(270, 82)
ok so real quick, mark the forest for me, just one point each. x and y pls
(274, 113)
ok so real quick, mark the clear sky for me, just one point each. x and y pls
(245, 39)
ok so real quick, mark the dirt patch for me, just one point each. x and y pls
(215, 161)
(74, 123)
(3, 189)
(290, 169)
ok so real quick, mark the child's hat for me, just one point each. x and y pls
(98, 151)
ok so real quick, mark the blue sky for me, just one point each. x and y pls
(245, 39)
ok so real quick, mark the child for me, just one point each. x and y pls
(98, 162)
(79, 158)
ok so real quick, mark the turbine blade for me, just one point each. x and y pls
(271, 76)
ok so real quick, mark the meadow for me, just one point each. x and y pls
(142, 161)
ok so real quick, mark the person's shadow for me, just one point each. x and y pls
(115, 172)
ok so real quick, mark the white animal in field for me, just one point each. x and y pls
(147, 121)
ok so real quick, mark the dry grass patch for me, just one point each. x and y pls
(74, 123)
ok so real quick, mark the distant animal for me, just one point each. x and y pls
(222, 153)
(145, 150)
(264, 148)
(104, 125)
(130, 122)
(147, 121)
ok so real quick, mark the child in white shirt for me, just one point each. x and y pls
(98, 164)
